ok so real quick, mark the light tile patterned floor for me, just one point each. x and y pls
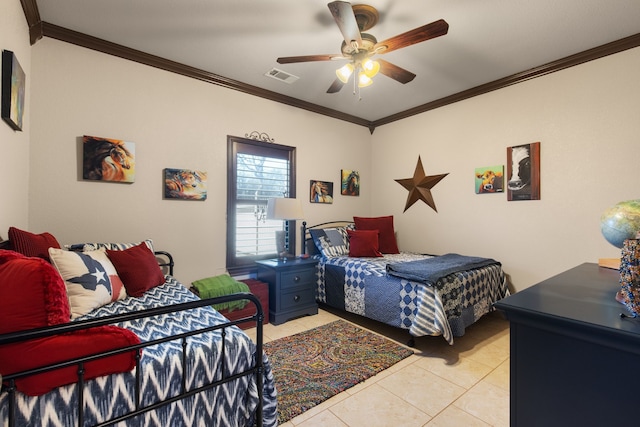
(466, 384)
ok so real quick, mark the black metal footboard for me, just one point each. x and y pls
(256, 371)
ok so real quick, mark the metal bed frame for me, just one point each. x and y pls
(256, 370)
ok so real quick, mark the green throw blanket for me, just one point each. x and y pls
(218, 286)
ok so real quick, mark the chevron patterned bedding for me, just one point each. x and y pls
(362, 286)
(230, 404)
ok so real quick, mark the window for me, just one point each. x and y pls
(256, 172)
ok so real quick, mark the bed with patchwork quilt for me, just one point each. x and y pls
(163, 357)
(363, 272)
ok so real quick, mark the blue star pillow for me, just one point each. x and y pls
(90, 277)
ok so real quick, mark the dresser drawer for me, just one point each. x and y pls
(299, 298)
(297, 278)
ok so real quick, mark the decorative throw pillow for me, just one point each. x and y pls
(90, 277)
(86, 247)
(33, 295)
(363, 243)
(138, 269)
(384, 224)
(33, 245)
(331, 242)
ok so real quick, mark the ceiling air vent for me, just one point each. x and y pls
(281, 75)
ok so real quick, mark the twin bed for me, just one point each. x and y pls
(192, 366)
(427, 295)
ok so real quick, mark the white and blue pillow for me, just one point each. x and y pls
(331, 242)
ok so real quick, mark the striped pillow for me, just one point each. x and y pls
(86, 247)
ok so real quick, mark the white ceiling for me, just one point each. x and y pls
(241, 39)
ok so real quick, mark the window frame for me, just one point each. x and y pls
(235, 145)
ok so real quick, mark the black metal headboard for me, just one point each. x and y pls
(306, 237)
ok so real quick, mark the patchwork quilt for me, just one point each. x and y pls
(446, 307)
(231, 404)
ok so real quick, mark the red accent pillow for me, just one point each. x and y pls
(384, 224)
(138, 269)
(363, 243)
(31, 354)
(33, 245)
(33, 295)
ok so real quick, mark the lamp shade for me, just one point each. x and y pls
(284, 208)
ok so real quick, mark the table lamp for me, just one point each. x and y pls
(285, 209)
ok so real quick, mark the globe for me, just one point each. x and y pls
(621, 222)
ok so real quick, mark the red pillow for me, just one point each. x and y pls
(31, 354)
(138, 269)
(33, 245)
(384, 224)
(33, 295)
(363, 243)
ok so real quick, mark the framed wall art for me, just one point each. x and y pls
(349, 183)
(523, 172)
(320, 191)
(489, 179)
(13, 88)
(185, 184)
(105, 159)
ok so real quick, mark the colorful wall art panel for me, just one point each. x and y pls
(185, 184)
(350, 183)
(105, 159)
(490, 179)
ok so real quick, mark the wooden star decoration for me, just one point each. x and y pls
(420, 186)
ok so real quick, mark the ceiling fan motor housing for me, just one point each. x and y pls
(368, 42)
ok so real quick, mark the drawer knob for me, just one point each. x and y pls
(296, 278)
(296, 298)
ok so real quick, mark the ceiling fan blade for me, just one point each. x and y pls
(345, 18)
(307, 58)
(417, 35)
(396, 73)
(335, 86)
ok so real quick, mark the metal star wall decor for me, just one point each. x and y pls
(420, 186)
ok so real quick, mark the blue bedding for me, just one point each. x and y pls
(231, 404)
(430, 270)
(364, 287)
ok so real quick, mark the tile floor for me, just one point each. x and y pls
(466, 384)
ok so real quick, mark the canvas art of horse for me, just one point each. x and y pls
(107, 159)
(185, 184)
(350, 183)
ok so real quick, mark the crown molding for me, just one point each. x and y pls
(38, 29)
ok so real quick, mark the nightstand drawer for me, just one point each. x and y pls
(297, 278)
(299, 298)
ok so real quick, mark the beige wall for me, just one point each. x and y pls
(14, 146)
(175, 122)
(586, 119)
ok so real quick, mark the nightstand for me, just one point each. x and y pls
(292, 287)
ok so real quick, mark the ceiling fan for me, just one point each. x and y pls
(359, 47)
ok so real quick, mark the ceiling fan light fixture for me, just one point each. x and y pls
(344, 72)
(371, 68)
(363, 79)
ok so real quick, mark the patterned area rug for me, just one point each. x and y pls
(314, 365)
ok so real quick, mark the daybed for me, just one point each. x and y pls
(163, 357)
(361, 270)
